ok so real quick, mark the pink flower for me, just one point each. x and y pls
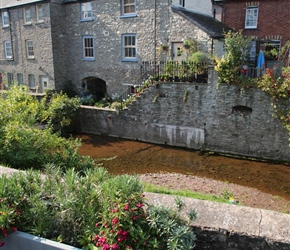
(115, 221)
(115, 246)
(1, 243)
(126, 208)
(102, 240)
(106, 247)
(139, 205)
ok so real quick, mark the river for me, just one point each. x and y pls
(121, 156)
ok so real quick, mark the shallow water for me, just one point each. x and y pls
(131, 157)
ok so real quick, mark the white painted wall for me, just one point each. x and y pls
(202, 6)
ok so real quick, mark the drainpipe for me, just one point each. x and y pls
(155, 16)
(11, 35)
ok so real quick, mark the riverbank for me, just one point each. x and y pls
(245, 196)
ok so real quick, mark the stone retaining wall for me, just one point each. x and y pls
(204, 116)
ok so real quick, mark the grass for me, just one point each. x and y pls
(185, 193)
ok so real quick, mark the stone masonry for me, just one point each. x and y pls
(224, 119)
(58, 47)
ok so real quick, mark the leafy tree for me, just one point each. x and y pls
(24, 144)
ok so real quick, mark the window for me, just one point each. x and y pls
(39, 13)
(29, 49)
(5, 19)
(27, 15)
(251, 17)
(20, 79)
(129, 52)
(86, 11)
(252, 52)
(128, 8)
(31, 81)
(182, 3)
(8, 49)
(10, 78)
(88, 48)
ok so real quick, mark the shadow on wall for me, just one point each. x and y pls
(95, 87)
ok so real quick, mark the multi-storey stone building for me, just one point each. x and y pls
(96, 45)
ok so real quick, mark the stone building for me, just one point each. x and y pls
(98, 46)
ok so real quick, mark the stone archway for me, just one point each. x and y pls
(95, 86)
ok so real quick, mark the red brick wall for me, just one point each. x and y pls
(273, 18)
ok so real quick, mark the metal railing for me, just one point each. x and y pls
(167, 71)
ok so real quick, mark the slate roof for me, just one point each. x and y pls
(4, 4)
(208, 24)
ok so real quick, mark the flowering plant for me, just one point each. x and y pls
(126, 225)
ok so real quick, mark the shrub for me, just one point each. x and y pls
(92, 207)
(23, 144)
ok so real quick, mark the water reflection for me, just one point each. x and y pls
(133, 157)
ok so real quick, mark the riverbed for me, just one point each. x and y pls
(121, 156)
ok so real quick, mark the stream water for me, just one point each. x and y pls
(121, 156)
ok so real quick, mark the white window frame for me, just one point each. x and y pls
(31, 81)
(27, 15)
(86, 11)
(129, 47)
(88, 48)
(29, 49)
(39, 13)
(19, 78)
(128, 4)
(5, 19)
(8, 49)
(251, 21)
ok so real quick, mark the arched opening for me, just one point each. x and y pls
(95, 87)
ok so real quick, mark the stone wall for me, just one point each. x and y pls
(203, 116)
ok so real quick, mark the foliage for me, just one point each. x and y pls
(278, 87)
(23, 143)
(124, 224)
(198, 60)
(64, 207)
(58, 109)
(237, 49)
(191, 45)
(88, 100)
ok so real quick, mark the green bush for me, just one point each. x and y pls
(24, 144)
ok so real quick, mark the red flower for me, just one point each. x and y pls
(115, 221)
(139, 205)
(1, 243)
(102, 240)
(115, 246)
(126, 208)
(134, 217)
(106, 247)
